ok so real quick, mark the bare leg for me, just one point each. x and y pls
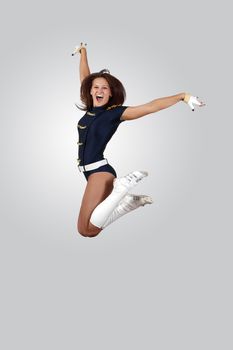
(99, 187)
(102, 198)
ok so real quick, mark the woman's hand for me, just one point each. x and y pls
(193, 100)
(79, 48)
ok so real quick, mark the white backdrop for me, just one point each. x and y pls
(159, 278)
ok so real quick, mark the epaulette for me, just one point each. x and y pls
(113, 106)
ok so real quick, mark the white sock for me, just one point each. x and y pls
(121, 187)
(127, 204)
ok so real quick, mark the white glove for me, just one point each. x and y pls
(193, 100)
(78, 48)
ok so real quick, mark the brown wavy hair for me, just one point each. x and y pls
(116, 87)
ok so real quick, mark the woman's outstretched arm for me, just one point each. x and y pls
(84, 69)
(159, 104)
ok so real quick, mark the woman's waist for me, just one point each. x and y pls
(93, 165)
(88, 159)
(90, 155)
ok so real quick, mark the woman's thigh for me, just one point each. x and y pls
(99, 187)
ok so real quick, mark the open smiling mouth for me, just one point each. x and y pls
(99, 98)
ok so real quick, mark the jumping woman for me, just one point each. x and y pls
(106, 197)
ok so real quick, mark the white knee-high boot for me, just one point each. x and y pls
(121, 187)
(128, 203)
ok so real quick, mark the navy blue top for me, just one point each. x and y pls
(95, 130)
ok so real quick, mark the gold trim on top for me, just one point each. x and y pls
(113, 106)
(82, 126)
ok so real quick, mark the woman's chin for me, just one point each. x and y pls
(100, 103)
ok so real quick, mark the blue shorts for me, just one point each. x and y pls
(105, 168)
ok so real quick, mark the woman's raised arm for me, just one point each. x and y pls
(84, 69)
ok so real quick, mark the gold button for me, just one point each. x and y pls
(91, 114)
(82, 126)
(78, 161)
(80, 143)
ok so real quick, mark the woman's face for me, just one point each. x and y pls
(100, 92)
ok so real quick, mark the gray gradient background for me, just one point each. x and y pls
(161, 277)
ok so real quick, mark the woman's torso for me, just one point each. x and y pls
(95, 130)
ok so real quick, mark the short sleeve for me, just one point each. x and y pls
(116, 114)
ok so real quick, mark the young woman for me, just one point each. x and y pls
(106, 197)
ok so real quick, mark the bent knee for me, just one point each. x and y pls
(87, 232)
